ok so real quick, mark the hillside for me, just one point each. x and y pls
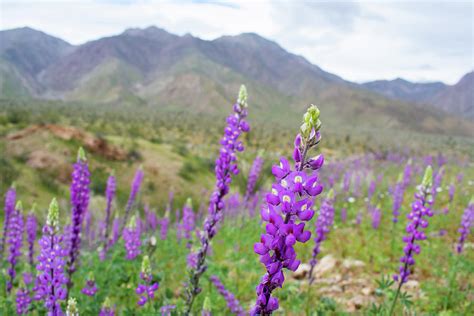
(155, 68)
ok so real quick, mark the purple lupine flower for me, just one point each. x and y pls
(288, 206)
(322, 228)
(189, 220)
(407, 174)
(23, 300)
(343, 214)
(226, 165)
(10, 200)
(466, 222)
(371, 189)
(134, 190)
(232, 303)
(31, 227)
(50, 282)
(151, 219)
(437, 179)
(459, 177)
(109, 196)
(90, 288)
(167, 309)
(107, 309)
(164, 224)
(15, 241)
(421, 207)
(254, 173)
(115, 231)
(451, 191)
(80, 203)
(346, 181)
(131, 237)
(376, 214)
(146, 290)
(397, 196)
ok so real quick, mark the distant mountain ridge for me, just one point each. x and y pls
(154, 67)
(457, 99)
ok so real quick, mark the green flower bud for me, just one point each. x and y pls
(53, 214)
(19, 206)
(242, 99)
(107, 303)
(207, 304)
(146, 267)
(427, 178)
(330, 194)
(189, 202)
(310, 120)
(133, 222)
(72, 309)
(81, 154)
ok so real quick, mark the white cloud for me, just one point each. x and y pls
(422, 40)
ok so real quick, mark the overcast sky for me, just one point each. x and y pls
(360, 41)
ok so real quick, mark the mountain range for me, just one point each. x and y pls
(154, 67)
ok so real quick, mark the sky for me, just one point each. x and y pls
(359, 41)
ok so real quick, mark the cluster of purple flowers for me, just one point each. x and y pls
(80, 203)
(51, 281)
(232, 303)
(90, 288)
(397, 196)
(15, 240)
(10, 199)
(288, 206)
(421, 208)
(186, 227)
(322, 228)
(226, 165)
(254, 173)
(23, 301)
(466, 222)
(134, 190)
(147, 289)
(109, 196)
(107, 309)
(31, 229)
(131, 238)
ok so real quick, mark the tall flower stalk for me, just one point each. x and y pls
(466, 223)
(109, 196)
(323, 227)
(80, 203)
(31, 229)
(254, 173)
(15, 240)
(10, 199)
(147, 288)
(134, 190)
(131, 238)
(50, 283)
(232, 302)
(226, 165)
(421, 208)
(289, 206)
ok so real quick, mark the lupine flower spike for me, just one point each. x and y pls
(51, 281)
(289, 206)
(466, 223)
(31, 230)
(421, 208)
(323, 226)
(226, 165)
(134, 190)
(15, 241)
(10, 199)
(23, 300)
(253, 176)
(107, 308)
(232, 303)
(109, 196)
(72, 309)
(80, 203)
(131, 238)
(90, 288)
(147, 289)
